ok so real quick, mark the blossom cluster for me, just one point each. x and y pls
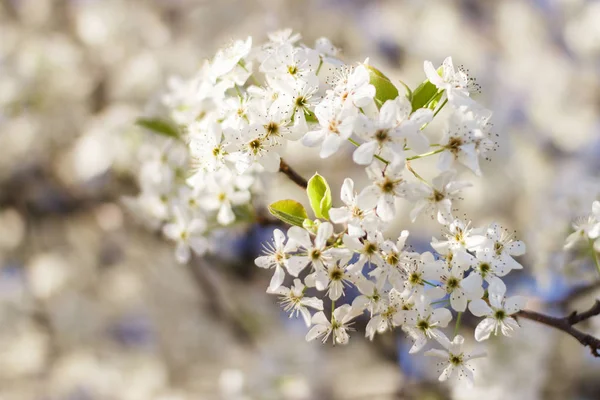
(229, 126)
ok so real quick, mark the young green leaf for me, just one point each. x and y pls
(384, 88)
(423, 94)
(161, 126)
(426, 94)
(319, 195)
(289, 211)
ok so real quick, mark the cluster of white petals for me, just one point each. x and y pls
(234, 119)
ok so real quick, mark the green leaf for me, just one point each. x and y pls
(161, 126)
(289, 211)
(435, 101)
(423, 94)
(319, 195)
(384, 88)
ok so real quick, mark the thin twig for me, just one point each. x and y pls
(293, 175)
(565, 324)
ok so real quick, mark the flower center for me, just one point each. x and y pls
(388, 185)
(272, 129)
(392, 259)
(484, 269)
(315, 254)
(279, 257)
(370, 248)
(295, 299)
(255, 145)
(437, 196)
(292, 69)
(301, 102)
(336, 274)
(456, 359)
(333, 127)
(452, 284)
(423, 325)
(454, 143)
(415, 278)
(357, 212)
(500, 315)
(381, 135)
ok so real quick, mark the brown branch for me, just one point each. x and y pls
(293, 175)
(565, 324)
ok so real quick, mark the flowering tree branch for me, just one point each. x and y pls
(293, 175)
(329, 248)
(565, 324)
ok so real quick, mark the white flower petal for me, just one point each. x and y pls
(484, 329)
(316, 331)
(277, 278)
(479, 308)
(363, 155)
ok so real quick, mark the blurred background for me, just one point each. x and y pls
(93, 304)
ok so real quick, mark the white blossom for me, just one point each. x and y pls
(358, 220)
(423, 323)
(454, 83)
(455, 359)
(387, 185)
(498, 313)
(293, 300)
(437, 198)
(276, 256)
(337, 328)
